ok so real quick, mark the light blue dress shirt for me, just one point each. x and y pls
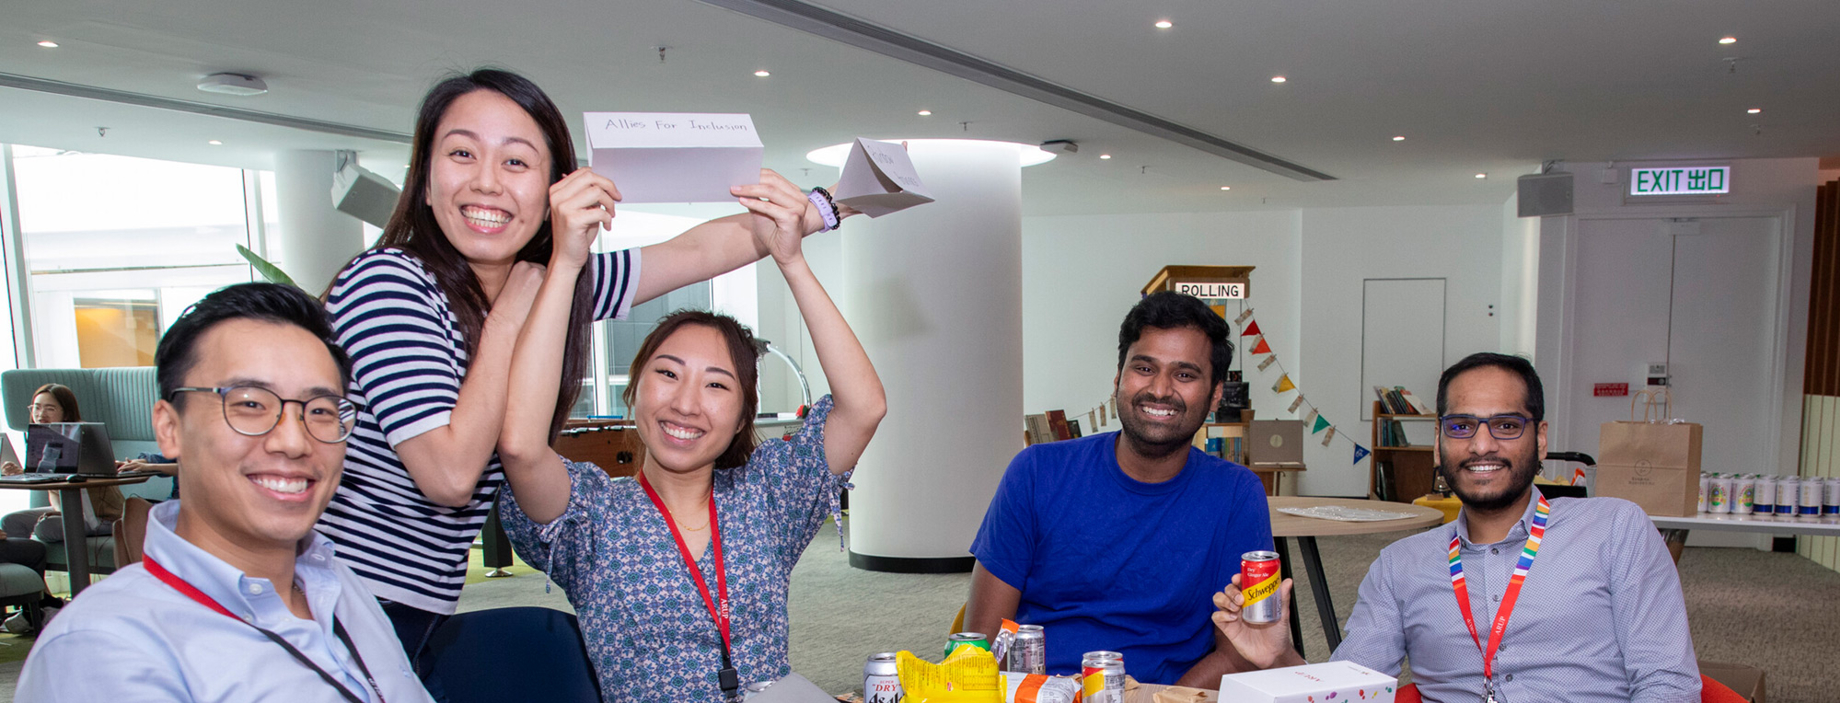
(134, 638)
(1600, 617)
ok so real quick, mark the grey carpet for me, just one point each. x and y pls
(1778, 612)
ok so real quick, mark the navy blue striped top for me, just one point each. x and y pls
(408, 359)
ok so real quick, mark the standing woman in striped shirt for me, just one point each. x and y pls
(431, 313)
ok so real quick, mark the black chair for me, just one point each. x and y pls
(510, 654)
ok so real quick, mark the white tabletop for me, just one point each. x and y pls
(1772, 524)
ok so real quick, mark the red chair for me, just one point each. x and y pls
(1710, 691)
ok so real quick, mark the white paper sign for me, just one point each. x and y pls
(878, 179)
(674, 157)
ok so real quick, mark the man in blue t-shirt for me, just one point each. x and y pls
(1118, 541)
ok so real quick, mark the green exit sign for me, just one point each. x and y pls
(1680, 180)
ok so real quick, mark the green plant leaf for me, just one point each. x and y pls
(269, 271)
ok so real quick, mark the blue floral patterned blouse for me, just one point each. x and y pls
(643, 620)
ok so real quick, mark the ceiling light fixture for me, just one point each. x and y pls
(214, 142)
(1754, 110)
(48, 44)
(236, 84)
(1103, 157)
(835, 154)
(1728, 40)
(1278, 79)
(925, 113)
(1226, 187)
(762, 73)
(1482, 175)
(1164, 24)
(1399, 138)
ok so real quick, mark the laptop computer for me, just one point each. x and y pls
(1275, 443)
(65, 449)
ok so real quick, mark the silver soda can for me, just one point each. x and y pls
(1718, 500)
(1102, 677)
(1788, 490)
(1743, 492)
(1764, 502)
(1705, 485)
(1830, 498)
(1810, 505)
(881, 679)
(1258, 583)
(1028, 654)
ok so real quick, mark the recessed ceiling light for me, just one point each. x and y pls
(1105, 156)
(924, 113)
(1754, 110)
(1728, 40)
(835, 154)
(48, 44)
(1278, 79)
(1399, 138)
(1482, 175)
(1226, 187)
(236, 84)
(214, 142)
(762, 73)
(1164, 24)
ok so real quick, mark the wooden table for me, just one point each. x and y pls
(76, 539)
(1305, 530)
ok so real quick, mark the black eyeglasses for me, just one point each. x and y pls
(1500, 426)
(253, 411)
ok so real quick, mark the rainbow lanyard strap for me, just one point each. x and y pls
(1541, 512)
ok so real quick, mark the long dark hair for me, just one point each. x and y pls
(413, 229)
(743, 350)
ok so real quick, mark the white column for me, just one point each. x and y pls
(935, 293)
(316, 239)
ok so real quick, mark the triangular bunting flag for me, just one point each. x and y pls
(1328, 436)
(1242, 317)
(1297, 403)
(1283, 384)
(1251, 329)
(1322, 423)
(1360, 453)
(1266, 364)
(1261, 347)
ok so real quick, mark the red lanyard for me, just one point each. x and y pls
(719, 614)
(192, 592)
(1457, 583)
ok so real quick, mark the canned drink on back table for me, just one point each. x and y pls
(960, 639)
(881, 679)
(1830, 498)
(1810, 505)
(1787, 490)
(1258, 582)
(1718, 498)
(1102, 677)
(1028, 654)
(1743, 493)
(1705, 486)
(1764, 502)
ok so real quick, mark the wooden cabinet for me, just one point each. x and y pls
(1399, 473)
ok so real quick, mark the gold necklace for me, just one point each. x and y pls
(688, 528)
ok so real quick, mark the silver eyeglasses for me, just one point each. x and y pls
(253, 411)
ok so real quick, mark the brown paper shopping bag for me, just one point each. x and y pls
(1653, 461)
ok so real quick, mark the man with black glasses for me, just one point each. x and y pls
(1601, 618)
(237, 599)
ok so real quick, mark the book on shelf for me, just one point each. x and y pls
(1418, 406)
(1040, 431)
(1057, 421)
(1073, 428)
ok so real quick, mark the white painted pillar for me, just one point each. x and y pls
(315, 239)
(935, 294)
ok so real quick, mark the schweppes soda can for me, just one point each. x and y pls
(1102, 677)
(1258, 581)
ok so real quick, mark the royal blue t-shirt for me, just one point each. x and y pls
(1107, 562)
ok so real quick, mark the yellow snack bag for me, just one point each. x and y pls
(968, 676)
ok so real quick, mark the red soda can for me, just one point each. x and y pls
(1258, 582)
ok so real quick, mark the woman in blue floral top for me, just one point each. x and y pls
(622, 548)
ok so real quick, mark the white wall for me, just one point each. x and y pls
(1342, 247)
(1520, 280)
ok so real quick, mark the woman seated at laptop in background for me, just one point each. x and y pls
(55, 402)
(681, 577)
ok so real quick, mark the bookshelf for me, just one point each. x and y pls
(1399, 473)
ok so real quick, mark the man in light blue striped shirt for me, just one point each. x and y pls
(1599, 616)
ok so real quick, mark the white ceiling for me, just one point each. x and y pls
(1491, 87)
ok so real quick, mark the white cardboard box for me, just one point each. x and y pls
(1329, 682)
(674, 157)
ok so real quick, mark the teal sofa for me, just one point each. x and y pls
(122, 399)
